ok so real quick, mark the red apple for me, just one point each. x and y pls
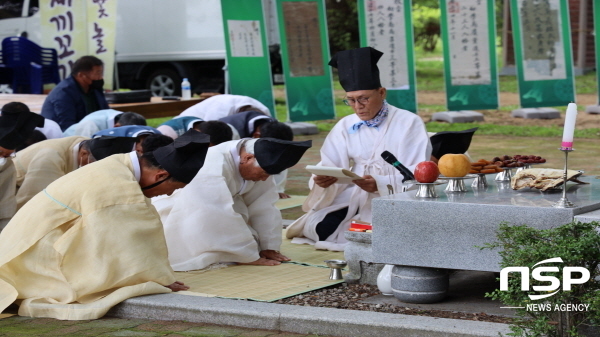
(426, 172)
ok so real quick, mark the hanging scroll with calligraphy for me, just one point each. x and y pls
(102, 31)
(64, 28)
(543, 52)
(248, 63)
(305, 54)
(77, 28)
(470, 71)
(386, 25)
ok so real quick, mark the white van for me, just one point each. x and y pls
(159, 42)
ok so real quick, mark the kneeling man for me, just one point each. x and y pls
(92, 239)
(227, 213)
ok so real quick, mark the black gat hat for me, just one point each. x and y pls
(17, 124)
(451, 142)
(275, 155)
(185, 156)
(105, 146)
(357, 68)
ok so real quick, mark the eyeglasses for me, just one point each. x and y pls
(352, 101)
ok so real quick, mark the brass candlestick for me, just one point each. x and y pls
(563, 202)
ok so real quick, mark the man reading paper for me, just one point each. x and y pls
(356, 143)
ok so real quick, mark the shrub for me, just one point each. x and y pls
(578, 244)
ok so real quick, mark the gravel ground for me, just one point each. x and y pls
(349, 296)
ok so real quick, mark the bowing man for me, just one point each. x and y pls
(92, 239)
(17, 124)
(356, 143)
(42, 163)
(228, 213)
(139, 132)
(246, 124)
(219, 106)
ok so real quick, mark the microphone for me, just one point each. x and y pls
(392, 160)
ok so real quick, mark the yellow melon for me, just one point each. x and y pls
(454, 165)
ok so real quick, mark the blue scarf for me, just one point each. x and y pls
(372, 123)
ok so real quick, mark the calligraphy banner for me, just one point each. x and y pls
(305, 54)
(102, 31)
(543, 52)
(386, 25)
(248, 63)
(470, 66)
(77, 28)
(64, 28)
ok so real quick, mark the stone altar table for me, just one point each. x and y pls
(436, 234)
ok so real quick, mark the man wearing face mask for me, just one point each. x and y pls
(42, 163)
(16, 125)
(227, 213)
(92, 239)
(77, 95)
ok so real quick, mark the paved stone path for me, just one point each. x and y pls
(108, 326)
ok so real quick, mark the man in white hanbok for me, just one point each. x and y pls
(227, 213)
(356, 143)
(219, 106)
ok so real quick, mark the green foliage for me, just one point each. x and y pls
(578, 244)
(155, 122)
(426, 25)
(342, 25)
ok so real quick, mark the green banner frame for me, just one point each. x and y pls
(249, 71)
(544, 92)
(405, 98)
(476, 95)
(307, 75)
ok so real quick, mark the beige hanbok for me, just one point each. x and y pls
(88, 241)
(8, 202)
(42, 163)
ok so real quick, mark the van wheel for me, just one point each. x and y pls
(164, 82)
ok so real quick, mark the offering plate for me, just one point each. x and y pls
(505, 175)
(480, 182)
(426, 190)
(336, 268)
(457, 184)
(526, 166)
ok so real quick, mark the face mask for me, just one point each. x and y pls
(97, 84)
(156, 183)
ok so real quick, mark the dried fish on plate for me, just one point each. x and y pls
(543, 178)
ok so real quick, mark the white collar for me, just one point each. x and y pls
(253, 121)
(135, 161)
(76, 155)
(235, 153)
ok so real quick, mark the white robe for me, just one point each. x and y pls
(402, 133)
(92, 123)
(219, 106)
(219, 217)
(51, 129)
